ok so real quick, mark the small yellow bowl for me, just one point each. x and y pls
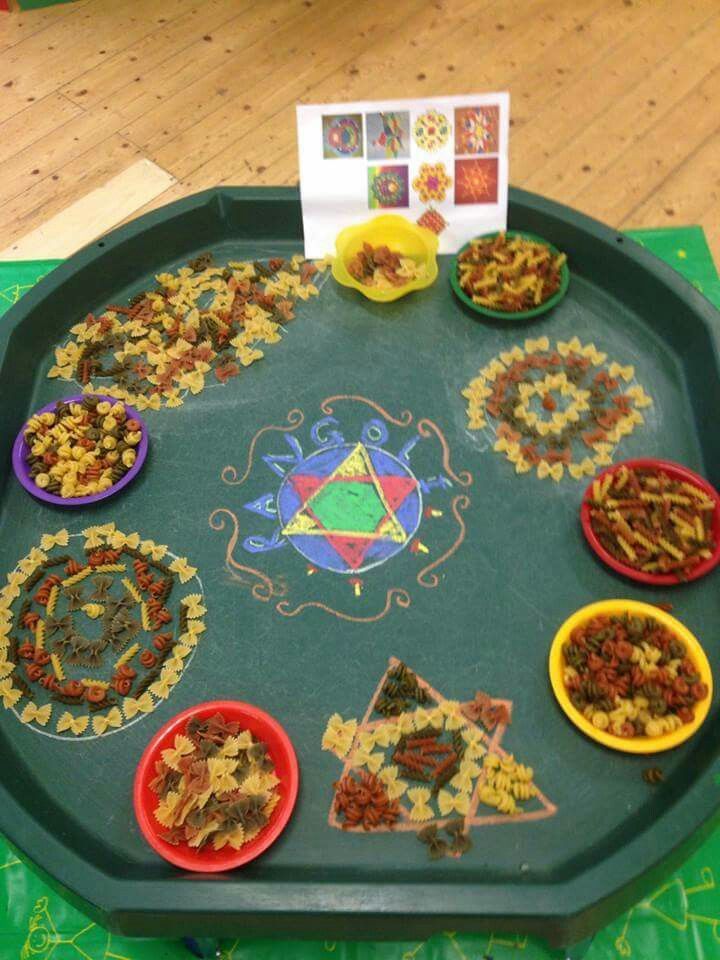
(629, 744)
(403, 237)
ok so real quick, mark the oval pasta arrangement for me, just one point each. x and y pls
(632, 676)
(216, 785)
(510, 273)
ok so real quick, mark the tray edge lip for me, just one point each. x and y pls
(83, 876)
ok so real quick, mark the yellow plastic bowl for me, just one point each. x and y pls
(403, 237)
(629, 744)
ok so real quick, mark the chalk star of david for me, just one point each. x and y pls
(352, 508)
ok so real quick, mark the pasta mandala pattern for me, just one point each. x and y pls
(96, 630)
(202, 319)
(418, 762)
(556, 410)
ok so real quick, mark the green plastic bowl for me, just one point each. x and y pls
(509, 314)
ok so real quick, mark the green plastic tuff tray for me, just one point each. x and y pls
(487, 623)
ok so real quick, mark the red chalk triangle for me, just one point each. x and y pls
(351, 549)
(306, 486)
(396, 489)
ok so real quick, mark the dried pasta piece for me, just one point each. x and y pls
(449, 803)
(394, 786)
(162, 687)
(475, 749)
(452, 714)
(156, 551)
(405, 723)
(10, 695)
(165, 810)
(182, 746)
(29, 564)
(339, 735)
(363, 758)
(221, 770)
(118, 540)
(6, 668)
(33, 714)
(102, 722)
(132, 706)
(367, 740)
(467, 773)
(387, 733)
(182, 568)
(193, 604)
(76, 725)
(421, 809)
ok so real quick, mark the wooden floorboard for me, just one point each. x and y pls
(613, 101)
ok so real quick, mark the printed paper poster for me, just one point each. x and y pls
(441, 161)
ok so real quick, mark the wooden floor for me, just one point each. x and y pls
(614, 102)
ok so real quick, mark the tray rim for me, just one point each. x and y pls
(562, 912)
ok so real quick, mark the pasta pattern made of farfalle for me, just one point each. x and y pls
(202, 319)
(95, 630)
(429, 763)
(556, 410)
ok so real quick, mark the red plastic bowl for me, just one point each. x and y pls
(676, 471)
(263, 727)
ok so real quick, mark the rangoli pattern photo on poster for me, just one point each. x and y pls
(476, 180)
(557, 409)
(388, 134)
(387, 186)
(443, 160)
(202, 324)
(432, 130)
(96, 629)
(476, 129)
(419, 762)
(343, 137)
(432, 182)
(357, 493)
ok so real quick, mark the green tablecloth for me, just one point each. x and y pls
(679, 921)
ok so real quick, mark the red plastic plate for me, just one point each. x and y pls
(677, 471)
(263, 727)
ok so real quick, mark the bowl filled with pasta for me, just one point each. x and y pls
(630, 676)
(216, 786)
(653, 521)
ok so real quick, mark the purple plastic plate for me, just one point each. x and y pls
(20, 452)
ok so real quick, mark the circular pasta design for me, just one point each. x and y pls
(95, 631)
(556, 409)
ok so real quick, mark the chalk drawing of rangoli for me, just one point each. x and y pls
(351, 491)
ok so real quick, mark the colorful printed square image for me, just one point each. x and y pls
(432, 130)
(342, 137)
(388, 186)
(476, 129)
(388, 135)
(476, 180)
